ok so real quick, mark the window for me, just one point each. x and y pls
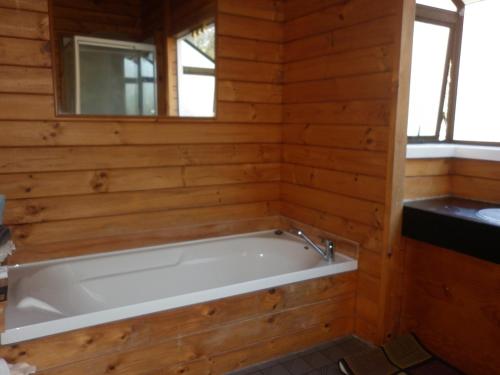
(454, 72)
(476, 117)
(428, 77)
(196, 73)
(111, 77)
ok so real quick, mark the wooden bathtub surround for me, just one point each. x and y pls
(452, 303)
(210, 338)
(466, 178)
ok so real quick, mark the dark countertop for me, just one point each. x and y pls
(453, 223)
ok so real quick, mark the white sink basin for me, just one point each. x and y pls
(490, 214)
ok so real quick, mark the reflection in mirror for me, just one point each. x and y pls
(136, 57)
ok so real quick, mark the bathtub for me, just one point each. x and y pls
(46, 298)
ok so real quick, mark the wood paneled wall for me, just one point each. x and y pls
(108, 19)
(210, 338)
(69, 180)
(306, 117)
(473, 179)
(452, 303)
(341, 58)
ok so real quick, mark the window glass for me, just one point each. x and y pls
(110, 79)
(443, 4)
(478, 98)
(196, 73)
(430, 46)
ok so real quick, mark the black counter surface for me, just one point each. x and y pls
(453, 223)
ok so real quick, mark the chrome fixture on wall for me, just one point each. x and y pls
(328, 253)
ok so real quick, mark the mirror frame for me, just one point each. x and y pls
(157, 118)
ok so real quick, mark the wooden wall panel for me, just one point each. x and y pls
(452, 303)
(78, 179)
(204, 338)
(466, 178)
(33, 5)
(476, 179)
(337, 97)
(111, 19)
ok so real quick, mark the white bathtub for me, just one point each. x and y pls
(46, 298)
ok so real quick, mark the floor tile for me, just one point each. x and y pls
(247, 371)
(334, 353)
(271, 363)
(330, 370)
(317, 360)
(298, 366)
(275, 370)
(353, 345)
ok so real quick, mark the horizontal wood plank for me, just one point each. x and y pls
(27, 80)
(349, 63)
(365, 87)
(23, 24)
(249, 28)
(271, 10)
(98, 133)
(249, 92)
(110, 204)
(15, 160)
(352, 209)
(25, 52)
(81, 229)
(369, 34)
(352, 161)
(347, 112)
(247, 49)
(34, 5)
(337, 136)
(336, 182)
(338, 16)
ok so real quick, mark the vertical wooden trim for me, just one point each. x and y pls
(55, 69)
(390, 292)
(161, 76)
(216, 36)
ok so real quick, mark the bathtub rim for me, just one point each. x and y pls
(71, 323)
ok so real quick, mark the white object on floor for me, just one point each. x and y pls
(4, 368)
(17, 369)
(6, 250)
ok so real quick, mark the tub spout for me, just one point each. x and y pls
(328, 253)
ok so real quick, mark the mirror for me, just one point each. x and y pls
(135, 57)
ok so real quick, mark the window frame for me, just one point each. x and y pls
(81, 40)
(454, 21)
(190, 70)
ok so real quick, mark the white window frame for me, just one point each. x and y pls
(79, 40)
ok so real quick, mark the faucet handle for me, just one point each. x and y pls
(329, 249)
(329, 243)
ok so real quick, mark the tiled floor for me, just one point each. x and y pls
(320, 360)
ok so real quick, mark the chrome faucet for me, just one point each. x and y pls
(327, 254)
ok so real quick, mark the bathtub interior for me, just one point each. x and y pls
(52, 290)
